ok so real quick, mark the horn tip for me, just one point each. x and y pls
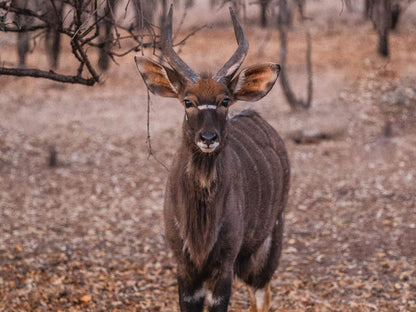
(170, 13)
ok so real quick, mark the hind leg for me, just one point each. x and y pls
(257, 270)
(260, 299)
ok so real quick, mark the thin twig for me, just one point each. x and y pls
(114, 24)
(266, 39)
(309, 68)
(21, 11)
(86, 60)
(24, 28)
(180, 24)
(148, 139)
(182, 42)
(149, 142)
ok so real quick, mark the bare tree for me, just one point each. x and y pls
(23, 38)
(379, 11)
(89, 24)
(106, 39)
(264, 4)
(385, 15)
(239, 6)
(53, 12)
(295, 103)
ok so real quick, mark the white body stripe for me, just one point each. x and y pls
(201, 107)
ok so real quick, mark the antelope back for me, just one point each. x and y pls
(263, 168)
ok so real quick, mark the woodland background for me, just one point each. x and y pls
(83, 168)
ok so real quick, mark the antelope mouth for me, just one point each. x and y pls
(207, 148)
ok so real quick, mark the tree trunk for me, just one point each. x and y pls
(396, 10)
(295, 103)
(368, 8)
(383, 25)
(164, 12)
(383, 42)
(263, 14)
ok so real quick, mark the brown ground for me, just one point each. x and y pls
(88, 234)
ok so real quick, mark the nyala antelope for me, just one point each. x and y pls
(228, 186)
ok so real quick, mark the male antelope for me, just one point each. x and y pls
(229, 182)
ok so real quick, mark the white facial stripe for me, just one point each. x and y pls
(201, 107)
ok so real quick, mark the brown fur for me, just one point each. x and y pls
(208, 90)
(227, 188)
(236, 210)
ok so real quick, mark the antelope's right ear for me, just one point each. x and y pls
(159, 79)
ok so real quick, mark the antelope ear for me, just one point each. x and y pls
(159, 79)
(254, 82)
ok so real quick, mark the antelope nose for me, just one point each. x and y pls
(208, 138)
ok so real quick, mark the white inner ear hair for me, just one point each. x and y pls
(240, 82)
(174, 88)
(201, 107)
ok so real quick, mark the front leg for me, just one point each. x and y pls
(191, 296)
(219, 297)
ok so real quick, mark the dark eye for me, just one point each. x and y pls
(187, 103)
(225, 102)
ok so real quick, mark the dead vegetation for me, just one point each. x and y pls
(87, 233)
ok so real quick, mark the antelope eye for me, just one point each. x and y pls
(187, 103)
(225, 102)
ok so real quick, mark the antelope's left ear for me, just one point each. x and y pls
(254, 82)
(159, 79)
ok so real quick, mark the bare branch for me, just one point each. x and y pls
(182, 42)
(89, 24)
(309, 68)
(85, 59)
(9, 7)
(23, 28)
(36, 73)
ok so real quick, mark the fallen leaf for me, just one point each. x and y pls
(86, 298)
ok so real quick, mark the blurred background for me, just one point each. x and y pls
(84, 153)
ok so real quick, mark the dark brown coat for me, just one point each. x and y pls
(229, 183)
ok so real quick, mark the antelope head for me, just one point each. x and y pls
(206, 100)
